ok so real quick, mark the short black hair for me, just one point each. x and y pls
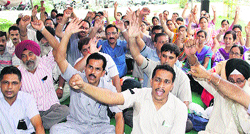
(97, 56)
(82, 42)
(49, 19)
(176, 13)
(14, 28)
(202, 31)
(172, 48)
(224, 21)
(100, 12)
(18, 20)
(58, 15)
(11, 70)
(237, 26)
(164, 67)
(180, 19)
(240, 47)
(182, 26)
(109, 26)
(3, 34)
(155, 18)
(169, 20)
(230, 32)
(86, 22)
(119, 13)
(165, 11)
(54, 10)
(39, 35)
(203, 17)
(159, 35)
(157, 28)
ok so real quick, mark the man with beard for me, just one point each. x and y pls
(14, 34)
(86, 114)
(72, 53)
(7, 57)
(37, 77)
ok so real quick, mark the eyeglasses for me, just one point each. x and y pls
(238, 81)
(109, 33)
(236, 54)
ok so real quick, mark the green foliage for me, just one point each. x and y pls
(230, 7)
(5, 24)
(173, 1)
(47, 4)
(182, 3)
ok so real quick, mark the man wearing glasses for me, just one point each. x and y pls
(115, 48)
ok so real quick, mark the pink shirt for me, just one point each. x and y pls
(40, 84)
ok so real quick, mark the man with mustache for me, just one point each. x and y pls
(7, 57)
(37, 77)
(14, 38)
(86, 114)
(72, 53)
(113, 46)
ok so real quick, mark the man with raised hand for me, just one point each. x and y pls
(37, 77)
(87, 115)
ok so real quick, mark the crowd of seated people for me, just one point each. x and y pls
(86, 59)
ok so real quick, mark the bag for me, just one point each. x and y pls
(206, 97)
(199, 123)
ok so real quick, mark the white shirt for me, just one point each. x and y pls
(222, 120)
(169, 119)
(24, 107)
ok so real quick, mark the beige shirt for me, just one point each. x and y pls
(221, 120)
(169, 119)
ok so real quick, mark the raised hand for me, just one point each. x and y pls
(74, 26)
(37, 24)
(115, 4)
(25, 21)
(129, 14)
(120, 25)
(98, 23)
(145, 11)
(222, 31)
(67, 13)
(34, 12)
(93, 43)
(105, 14)
(42, 9)
(247, 29)
(213, 8)
(76, 82)
(190, 47)
(239, 34)
(134, 27)
(186, 5)
(198, 71)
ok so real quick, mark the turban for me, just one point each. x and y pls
(242, 66)
(27, 45)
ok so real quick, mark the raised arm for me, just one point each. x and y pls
(184, 11)
(228, 89)
(115, 10)
(65, 19)
(60, 54)
(38, 25)
(42, 14)
(165, 28)
(247, 29)
(36, 121)
(236, 17)
(106, 15)
(100, 94)
(98, 24)
(23, 27)
(120, 25)
(189, 28)
(215, 15)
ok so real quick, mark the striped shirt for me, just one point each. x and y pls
(40, 84)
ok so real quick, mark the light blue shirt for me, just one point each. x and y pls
(117, 54)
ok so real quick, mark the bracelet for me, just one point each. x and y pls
(124, 30)
(89, 52)
(42, 29)
(210, 77)
(218, 82)
(60, 88)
